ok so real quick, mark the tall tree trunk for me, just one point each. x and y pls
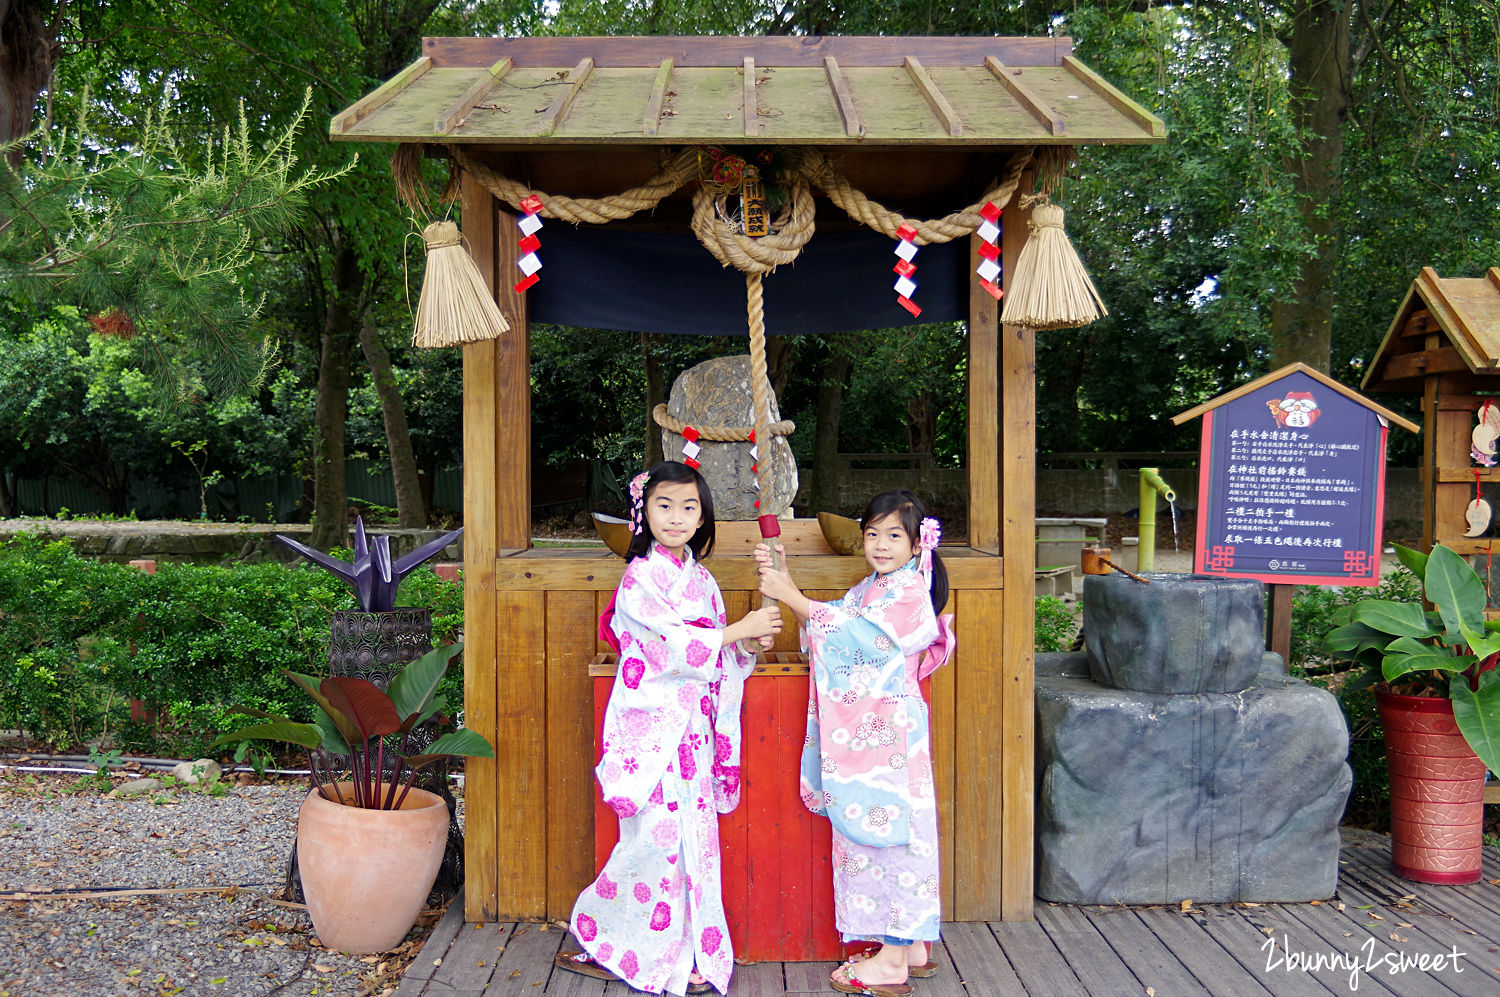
(330, 493)
(28, 48)
(1302, 325)
(656, 394)
(823, 493)
(411, 510)
(9, 485)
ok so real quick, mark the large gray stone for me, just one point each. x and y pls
(1220, 797)
(1181, 633)
(717, 393)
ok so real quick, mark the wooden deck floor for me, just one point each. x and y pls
(1380, 924)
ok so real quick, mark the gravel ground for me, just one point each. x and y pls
(239, 942)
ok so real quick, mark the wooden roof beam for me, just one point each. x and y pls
(752, 106)
(840, 89)
(455, 113)
(658, 95)
(1045, 114)
(559, 109)
(1442, 360)
(378, 98)
(935, 99)
(1152, 125)
(1420, 323)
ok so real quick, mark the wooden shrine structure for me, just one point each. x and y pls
(926, 123)
(1445, 343)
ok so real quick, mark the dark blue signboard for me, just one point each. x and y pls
(1292, 486)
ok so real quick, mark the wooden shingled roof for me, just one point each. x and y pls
(826, 91)
(1464, 314)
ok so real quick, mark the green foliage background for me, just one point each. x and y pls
(85, 637)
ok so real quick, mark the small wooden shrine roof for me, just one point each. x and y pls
(826, 91)
(1463, 311)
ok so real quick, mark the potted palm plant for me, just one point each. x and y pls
(369, 845)
(1433, 674)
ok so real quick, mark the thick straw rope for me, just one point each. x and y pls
(760, 384)
(595, 211)
(817, 168)
(789, 233)
(719, 434)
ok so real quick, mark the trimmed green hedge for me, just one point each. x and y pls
(79, 639)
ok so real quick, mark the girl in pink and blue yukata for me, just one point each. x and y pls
(671, 749)
(867, 761)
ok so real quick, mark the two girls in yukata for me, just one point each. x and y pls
(654, 917)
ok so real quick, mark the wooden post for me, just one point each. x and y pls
(480, 548)
(1017, 636)
(1279, 623)
(984, 431)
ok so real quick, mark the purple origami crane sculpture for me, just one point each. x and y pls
(372, 574)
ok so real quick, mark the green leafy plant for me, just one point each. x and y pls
(1449, 650)
(1056, 624)
(360, 721)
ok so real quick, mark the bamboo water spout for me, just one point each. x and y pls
(1152, 485)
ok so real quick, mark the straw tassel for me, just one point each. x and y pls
(455, 305)
(1050, 288)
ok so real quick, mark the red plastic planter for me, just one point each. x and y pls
(1437, 791)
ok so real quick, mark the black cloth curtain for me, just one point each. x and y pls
(650, 282)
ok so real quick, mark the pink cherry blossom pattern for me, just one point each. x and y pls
(621, 805)
(631, 671)
(606, 887)
(661, 917)
(722, 747)
(642, 893)
(711, 940)
(697, 653)
(706, 706)
(655, 796)
(655, 651)
(605, 951)
(636, 722)
(588, 930)
(664, 834)
(686, 765)
(629, 964)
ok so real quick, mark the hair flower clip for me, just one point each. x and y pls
(928, 536)
(637, 502)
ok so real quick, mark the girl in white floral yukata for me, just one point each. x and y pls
(671, 750)
(866, 761)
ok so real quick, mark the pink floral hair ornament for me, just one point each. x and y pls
(929, 534)
(637, 502)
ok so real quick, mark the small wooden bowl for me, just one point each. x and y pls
(615, 532)
(842, 533)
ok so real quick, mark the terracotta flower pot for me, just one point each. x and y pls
(366, 873)
(1437, 791)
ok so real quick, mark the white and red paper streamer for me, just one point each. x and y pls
(989, 251)
(529, 262)
(906, 249)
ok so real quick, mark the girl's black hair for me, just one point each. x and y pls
(910, 511)
(702, 542)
